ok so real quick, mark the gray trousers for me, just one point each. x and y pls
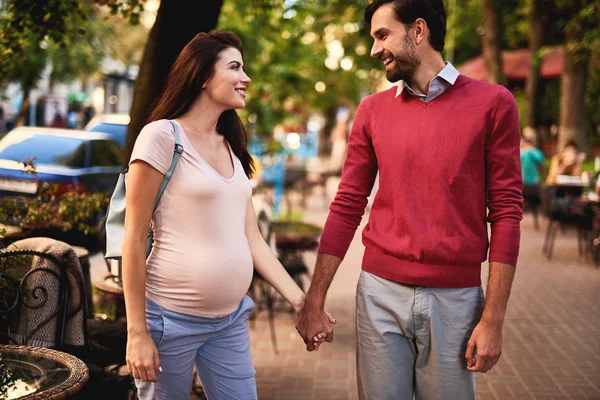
(412, 340)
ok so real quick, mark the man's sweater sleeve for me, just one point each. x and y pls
(360, 169)
(504, 180)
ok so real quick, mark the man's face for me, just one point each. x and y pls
(393, 45)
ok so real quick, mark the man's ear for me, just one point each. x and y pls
(420, 30)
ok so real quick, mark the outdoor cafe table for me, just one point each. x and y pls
(34, 373)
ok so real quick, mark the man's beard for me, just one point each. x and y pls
(405, 65)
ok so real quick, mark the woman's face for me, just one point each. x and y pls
(227, 87)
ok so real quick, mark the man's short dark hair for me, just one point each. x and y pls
(407, 12)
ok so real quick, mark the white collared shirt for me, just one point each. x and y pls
(442, 81)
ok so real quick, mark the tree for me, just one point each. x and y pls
(491, 41)
(311, 56)
(28, 76)
(64, 32)
(581, 36)
(177, 22)
(535, 19)
(127, 41)
(82, 58)
(27, 23)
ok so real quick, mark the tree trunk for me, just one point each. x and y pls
(27, 86)
(85, 83)
(492, 37)
(325, 134)
(536, 37)
(52, 82)
(572, 95)
(177, 22)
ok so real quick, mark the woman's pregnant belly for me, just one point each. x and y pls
(210, 283)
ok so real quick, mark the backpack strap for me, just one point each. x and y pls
(176, 154)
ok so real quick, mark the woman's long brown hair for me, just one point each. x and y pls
(194, 66)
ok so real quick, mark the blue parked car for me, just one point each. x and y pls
(113, 124)
(75, 160)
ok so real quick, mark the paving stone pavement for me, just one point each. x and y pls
(551, 335)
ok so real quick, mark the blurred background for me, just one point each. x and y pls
(78, 79)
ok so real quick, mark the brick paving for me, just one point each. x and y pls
(551, 336)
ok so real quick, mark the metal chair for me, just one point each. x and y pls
(44, 302)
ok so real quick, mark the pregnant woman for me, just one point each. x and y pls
(186, 304)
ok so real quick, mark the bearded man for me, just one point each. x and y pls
(446, 148)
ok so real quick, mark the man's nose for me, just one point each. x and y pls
(376, 50)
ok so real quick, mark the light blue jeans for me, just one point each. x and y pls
(219, 347)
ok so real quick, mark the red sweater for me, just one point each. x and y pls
(440, 164)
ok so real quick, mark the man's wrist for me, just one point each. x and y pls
(493, 318)
(314, 301)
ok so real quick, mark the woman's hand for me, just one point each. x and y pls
(142, 357)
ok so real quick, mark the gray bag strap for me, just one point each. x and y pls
(176, 155)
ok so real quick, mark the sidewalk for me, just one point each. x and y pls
(551, 335)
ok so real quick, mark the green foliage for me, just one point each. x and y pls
(82, 57)
(582, 19)
(128, 9)
(27, 24)
(285, 50)
(71, 211)
(521, 100)
(125, 42)
(592, 91)
(549, 105)
(465, 18)
(48, 210)
(30, 71)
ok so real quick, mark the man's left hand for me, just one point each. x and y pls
(484, 347)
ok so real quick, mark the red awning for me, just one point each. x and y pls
(515, 64)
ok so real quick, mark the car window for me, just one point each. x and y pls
(47, 149)
(117, 131)
(105, 153)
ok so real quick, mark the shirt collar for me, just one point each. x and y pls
(448, 73)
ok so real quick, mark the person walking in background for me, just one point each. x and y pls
(446, 147)
(532, 162)
(186, 304)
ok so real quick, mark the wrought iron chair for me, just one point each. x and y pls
(44, 301)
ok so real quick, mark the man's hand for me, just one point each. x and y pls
(485, 347)
(311, 323)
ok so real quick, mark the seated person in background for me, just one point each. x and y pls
(532, 161)
(567, 162)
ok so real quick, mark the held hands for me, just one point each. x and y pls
(484, 347)
(315, 326)
(142, 357)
